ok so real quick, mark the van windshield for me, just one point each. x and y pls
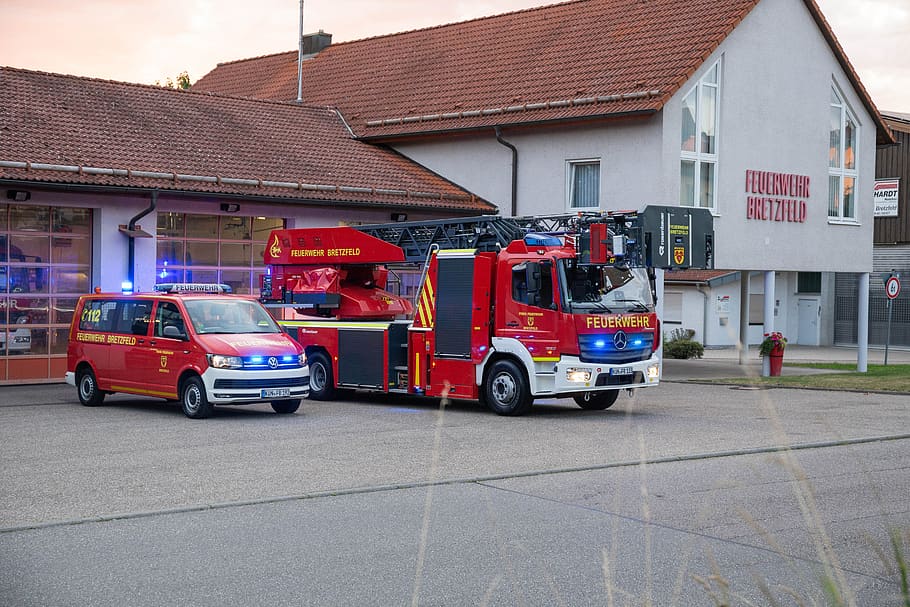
(228, 315)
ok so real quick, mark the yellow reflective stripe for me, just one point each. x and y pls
(545, 359)
(417, 368)
(141, 391)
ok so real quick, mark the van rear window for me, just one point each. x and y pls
(116, 316)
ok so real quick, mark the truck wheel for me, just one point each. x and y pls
(286, 406)
(505, 389)
(322, 384)
(193, 399)
(597, 401)
(87, 386)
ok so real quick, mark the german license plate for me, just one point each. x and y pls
(621, 371)
(274, 392)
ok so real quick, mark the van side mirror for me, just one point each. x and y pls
(173, 332)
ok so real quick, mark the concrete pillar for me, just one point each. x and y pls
(862, 328)
(743, 317)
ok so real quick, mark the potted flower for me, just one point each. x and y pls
(771, 350)
(774, 342)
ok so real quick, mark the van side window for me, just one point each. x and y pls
(139, 314)
(168, 315)
(98, 315)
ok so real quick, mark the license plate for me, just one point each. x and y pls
(621, 371)
(274, 392)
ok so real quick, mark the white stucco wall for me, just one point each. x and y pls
(777, 75)
(628, 151)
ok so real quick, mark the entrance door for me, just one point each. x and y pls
(809, 316)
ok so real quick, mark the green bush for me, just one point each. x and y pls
(681, 345)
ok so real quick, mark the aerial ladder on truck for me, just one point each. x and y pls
(508, 309)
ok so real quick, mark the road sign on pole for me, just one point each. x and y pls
(892, 290)
(893, 286)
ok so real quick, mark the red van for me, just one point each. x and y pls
(185, 342)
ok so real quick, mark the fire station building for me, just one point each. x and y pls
(748, 108)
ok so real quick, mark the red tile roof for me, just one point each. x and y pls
(584, 59)
(153, 137)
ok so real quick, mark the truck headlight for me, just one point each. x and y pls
(578, 375)
(653, 372)
(219, 361)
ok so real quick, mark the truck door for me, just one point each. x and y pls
(529, 313)
(461, 324)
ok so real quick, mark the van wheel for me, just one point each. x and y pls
(286, 406)
(87, 386)
(322, 384)
(506, 390)
(193, 400)
(596, 401)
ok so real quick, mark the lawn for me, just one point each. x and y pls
(886, 378)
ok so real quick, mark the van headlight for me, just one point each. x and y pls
(302, 359)
(578, 375)
(219, 361)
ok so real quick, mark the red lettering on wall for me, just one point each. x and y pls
(781, 196)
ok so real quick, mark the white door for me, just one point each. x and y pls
(809, 315)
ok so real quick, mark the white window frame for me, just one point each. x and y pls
(841, 172)
(696, 155)
(571, 165)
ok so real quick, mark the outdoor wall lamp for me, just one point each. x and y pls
(18, 195)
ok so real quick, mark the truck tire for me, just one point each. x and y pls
(322, 383)
(286, 406)
(193, 399)
(597, 401)
(505, 389)
(87, 387)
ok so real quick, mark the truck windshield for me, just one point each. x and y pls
(228, 315)
(589, 289)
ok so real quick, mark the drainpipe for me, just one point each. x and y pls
(132, 234)
(514, 169)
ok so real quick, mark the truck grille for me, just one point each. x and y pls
(601, 348)
(255, 384)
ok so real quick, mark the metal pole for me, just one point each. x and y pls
(888, 338)
(300, 58)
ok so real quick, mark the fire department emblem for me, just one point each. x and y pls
(164, 362)
(275, 249)
(679, 255)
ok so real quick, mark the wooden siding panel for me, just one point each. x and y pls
(894, 161)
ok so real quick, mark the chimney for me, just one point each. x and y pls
(313, 43)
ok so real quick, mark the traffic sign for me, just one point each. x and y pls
(893, 287)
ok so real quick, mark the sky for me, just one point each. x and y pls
(149, 41)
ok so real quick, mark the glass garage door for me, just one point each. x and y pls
(213, 249)
(45, 264)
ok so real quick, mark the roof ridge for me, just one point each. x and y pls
(416, 30)
(241, 60)
(166, 89)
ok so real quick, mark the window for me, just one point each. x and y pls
(583, 178)
(841, 160)
(809, 282)
(213, 248)
(673, 303)
(698, 147)
(168, 315)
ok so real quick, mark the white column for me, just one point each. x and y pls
(769, 302)
(862, 320)
(743, 317)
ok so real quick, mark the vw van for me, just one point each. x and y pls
(186, 342)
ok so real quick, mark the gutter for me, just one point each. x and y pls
(499, 138)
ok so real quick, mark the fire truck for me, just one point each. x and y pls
(507, 309)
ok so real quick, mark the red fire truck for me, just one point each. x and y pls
(507, 309)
